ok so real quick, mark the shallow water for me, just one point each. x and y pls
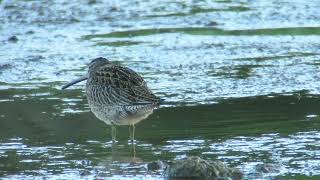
(240, 80)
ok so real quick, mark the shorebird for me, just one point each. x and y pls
(117, 95)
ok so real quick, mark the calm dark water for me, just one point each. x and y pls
(240, 79)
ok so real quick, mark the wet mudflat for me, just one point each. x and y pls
(240, 79)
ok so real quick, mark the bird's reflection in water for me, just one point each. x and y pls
(122, 160)
(117, 152)
(133, 149)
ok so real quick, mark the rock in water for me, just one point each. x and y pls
(264, 171)
(197, 168)
(13, 39)
(155, 165)
(267, 168)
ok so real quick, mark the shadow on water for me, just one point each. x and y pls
(41, 118)
(197, 10)
(118, 43)
(295, 31)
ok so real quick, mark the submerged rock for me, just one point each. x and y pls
(84, 172)
(13, 39)
(198, 168)
(267, 168)
(212, 23)
(261, 171)
(5, 66)
(155, 165)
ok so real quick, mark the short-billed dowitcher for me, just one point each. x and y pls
(117, 95)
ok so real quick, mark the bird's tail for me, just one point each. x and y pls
(160, 101)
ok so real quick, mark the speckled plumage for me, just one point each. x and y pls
(118, 95)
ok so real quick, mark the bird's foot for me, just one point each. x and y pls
(132, 141)
(112, 142)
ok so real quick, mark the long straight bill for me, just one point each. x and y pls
(74, 82)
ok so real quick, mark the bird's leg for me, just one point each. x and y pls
(133, 150)
(113, 133)
(130, 132)
(132, 137)
(133, 147)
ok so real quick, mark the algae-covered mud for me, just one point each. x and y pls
(240, 81)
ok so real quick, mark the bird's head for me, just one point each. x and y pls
(93, 66)
(98, 62)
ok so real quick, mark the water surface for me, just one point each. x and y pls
(240, 79)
